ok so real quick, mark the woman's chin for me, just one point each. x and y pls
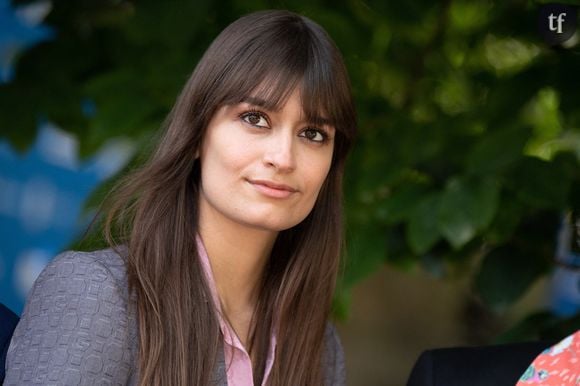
(272, 224)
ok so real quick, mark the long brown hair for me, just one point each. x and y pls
(154, 211)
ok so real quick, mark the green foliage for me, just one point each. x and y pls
(469, 124)
(506, 273)
(541, 325)
(422, 230)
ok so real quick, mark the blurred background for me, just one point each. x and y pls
(462, 193)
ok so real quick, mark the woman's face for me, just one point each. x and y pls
(262, 168)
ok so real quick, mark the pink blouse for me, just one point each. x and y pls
(557, 366)
(238, 362)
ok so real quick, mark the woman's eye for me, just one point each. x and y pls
(314, 135)
(255, 119)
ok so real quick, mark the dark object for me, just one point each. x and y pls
(557, 23)
(475, 366)
(8, 321)
(574, 220)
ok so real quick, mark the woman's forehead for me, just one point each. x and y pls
(268, 98)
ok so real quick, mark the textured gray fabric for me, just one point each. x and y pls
(79, 328)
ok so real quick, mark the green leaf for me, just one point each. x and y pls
(400, 204)
(541, 325)
(506, 273)
(498, 150)
(466, 207)
(510, 213)
(541, 184)
(18, 120)
(528, 328)
(422, 230)
(366, 251)
(341, 302)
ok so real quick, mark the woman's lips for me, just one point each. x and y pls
(272, 189)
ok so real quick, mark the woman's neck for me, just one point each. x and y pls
(238, 255)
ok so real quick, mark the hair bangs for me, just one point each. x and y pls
(264, 58)
(269, 67)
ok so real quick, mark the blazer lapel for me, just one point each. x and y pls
(220, 377)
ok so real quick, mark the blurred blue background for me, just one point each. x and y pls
(42, 190)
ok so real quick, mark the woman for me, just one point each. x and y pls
(225, 245)
(555, 366)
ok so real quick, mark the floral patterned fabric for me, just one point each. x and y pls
(558, 365)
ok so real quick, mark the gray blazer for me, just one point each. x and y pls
(78, 328)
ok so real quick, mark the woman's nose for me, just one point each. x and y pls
(280, 152)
